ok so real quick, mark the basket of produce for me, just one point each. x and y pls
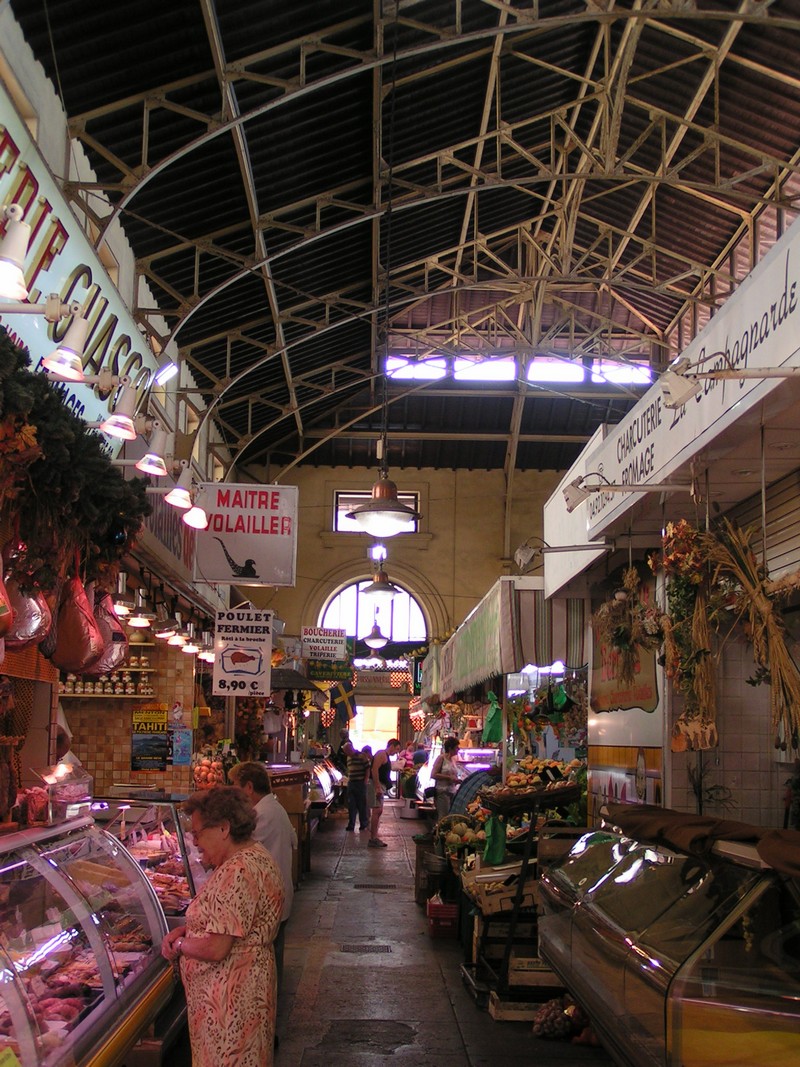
(458, 832)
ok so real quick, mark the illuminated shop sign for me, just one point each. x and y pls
(62, 260)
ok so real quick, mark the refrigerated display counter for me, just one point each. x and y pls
(682, 956)
(80, 940)
(155, 833)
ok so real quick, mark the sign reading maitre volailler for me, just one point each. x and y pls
(320, 642)
(251, 537)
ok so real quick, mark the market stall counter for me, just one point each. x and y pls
(684, 955)
(291, 784)
(81, 936)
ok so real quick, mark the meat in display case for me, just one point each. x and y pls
(682, 956)
(80, 937)
(152, 830)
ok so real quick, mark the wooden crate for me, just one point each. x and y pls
(531, 972)
(509, 1009)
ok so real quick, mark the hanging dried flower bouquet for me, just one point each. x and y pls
(687, 644)
(628, 626)
(756, 600)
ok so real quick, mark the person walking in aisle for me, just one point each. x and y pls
(275, 832)
(382, 780)
(358, 765)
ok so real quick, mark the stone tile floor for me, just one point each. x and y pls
(364, 981)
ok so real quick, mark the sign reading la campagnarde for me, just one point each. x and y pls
(243, 647)
(61, 260)
(756, 328)
(251, 537)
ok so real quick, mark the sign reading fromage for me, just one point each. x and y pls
(61, 260)
(756, 328)
(251, 537)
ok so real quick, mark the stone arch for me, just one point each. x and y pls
(431, 603)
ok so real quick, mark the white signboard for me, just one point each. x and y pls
(251, 537)
(62, 260)
(243, 647)
(758, 327)
(321, 643)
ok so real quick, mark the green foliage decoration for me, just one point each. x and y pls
(69, 498)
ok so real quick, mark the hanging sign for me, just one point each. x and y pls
(320, 642)
(243, 647)
(332, 670)
(251, 537)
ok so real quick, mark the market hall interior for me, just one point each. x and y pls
(365, 983)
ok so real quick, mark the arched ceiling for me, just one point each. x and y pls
(579, 178)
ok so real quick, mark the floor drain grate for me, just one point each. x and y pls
(367, 949)
(374, 885)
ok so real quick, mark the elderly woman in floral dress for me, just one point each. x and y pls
(225, 949)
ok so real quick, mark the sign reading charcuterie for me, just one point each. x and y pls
(243, 647)
(321, 642)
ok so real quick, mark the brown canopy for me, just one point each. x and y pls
(779, 849)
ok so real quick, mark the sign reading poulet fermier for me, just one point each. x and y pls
(243, 647)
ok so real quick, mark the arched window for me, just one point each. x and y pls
(400, 619)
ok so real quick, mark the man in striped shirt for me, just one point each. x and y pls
(358, 768)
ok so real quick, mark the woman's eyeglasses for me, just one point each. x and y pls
(196, 834)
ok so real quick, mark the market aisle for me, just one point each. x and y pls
(363, 979)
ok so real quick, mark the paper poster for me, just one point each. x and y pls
(149, 738)
(181, 745)
(243, 647)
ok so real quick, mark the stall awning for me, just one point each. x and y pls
(513, 626)
(288, 678)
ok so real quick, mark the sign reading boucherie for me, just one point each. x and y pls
(243, 653)
(320, 642)
(251, 537)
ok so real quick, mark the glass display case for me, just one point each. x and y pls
(80, 938)
(153, 832)
(681, 959)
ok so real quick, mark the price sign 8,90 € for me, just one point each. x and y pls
(243, 647)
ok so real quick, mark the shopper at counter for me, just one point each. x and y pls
(358, 766)
(446, 777)
(274, 831)
(225, 949)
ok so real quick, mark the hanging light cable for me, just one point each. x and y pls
(384, 515)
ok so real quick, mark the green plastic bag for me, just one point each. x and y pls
(495, 849)
(493, 721)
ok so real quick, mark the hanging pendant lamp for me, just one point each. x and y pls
(375, 638)
(380, 588)
(384, 515)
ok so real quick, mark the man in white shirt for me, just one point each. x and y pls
(274, 831)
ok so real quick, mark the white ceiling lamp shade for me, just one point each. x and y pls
(140, 618)
(380, 589)
(179, 636)
(66, 362)
(206, 653)
(384, 515)
(181, 495)
(197, 516)
(122, 605)
(120, 423)
(13, 250)
(375, 639)
(191, 647)
(153, 461)
(578, 490)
